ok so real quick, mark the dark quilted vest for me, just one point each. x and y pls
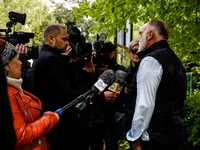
(167, 123)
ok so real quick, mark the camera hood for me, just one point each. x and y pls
(17, 17)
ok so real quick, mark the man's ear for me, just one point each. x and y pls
(150, 35)
(51, 38)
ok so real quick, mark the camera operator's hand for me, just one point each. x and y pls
(110, 96)
(68, 50)
(126, 90)
(104, 68)
(89, 66)
(112, 55)
(21, 48)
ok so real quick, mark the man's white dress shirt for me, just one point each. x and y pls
(149, 76)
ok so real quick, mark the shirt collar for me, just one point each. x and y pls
(49, 48)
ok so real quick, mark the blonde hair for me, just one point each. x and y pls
(132, 44)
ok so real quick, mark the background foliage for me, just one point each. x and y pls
(36, 16)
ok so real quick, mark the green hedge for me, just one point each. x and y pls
(192, 118)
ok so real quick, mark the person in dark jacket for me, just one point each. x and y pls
(134, 60)
(55, 82)
(126, 102)
(158, 119)
(111, 100)
(123, 119)
(132, 69)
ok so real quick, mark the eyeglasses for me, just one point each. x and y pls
(133, 50)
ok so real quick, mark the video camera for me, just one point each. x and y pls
(102, 48)
(19, 37)
(77, 42)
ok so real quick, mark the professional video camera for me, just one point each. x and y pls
(102, 49)
(77, 42)
(19, 37)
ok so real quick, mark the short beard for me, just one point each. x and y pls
(63, 50)
(143, 42)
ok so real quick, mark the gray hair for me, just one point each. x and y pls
(161, 28)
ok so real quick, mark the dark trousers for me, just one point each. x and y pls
(91, 137)
(64, 136)
(110, 138)
(147, 146)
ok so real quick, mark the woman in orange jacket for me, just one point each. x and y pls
(30, 123)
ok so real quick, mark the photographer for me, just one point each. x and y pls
(55, 81)
(106, 58)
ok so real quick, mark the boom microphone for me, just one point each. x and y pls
(119, 82)
(104, 80)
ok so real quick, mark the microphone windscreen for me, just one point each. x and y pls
(116, 87)
(108, 76)
(129, 77)
(120, 77)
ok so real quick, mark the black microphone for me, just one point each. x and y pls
(128, 79)
(104, 80)
(119, 82)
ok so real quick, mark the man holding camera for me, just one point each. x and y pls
(106, 58)
(55, 82)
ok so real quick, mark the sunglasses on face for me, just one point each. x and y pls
(133, 50)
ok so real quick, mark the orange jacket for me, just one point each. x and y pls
(29, 123)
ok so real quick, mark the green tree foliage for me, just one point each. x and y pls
(39, 15)
(36, 16)
(62, 15)
(192, 112)
(181, 16)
